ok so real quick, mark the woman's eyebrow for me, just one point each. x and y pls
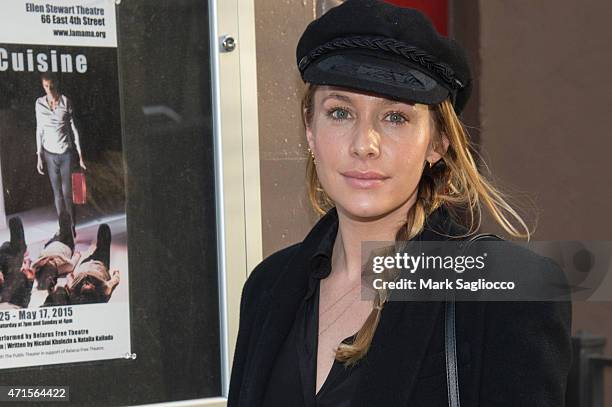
(387, 102)
(337, 96)
(384, 102)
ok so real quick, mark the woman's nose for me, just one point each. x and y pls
(366, 141)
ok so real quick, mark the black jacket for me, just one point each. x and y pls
(509, 353)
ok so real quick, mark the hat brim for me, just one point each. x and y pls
(370, 73)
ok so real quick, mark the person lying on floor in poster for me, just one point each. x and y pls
(57, 258)
(15, 278)
(90, 282)
(56, 138)
(17, 291)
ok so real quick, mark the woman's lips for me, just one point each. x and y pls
(364, 179)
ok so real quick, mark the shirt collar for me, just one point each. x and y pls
(320, 261)
(322, 240)
(438, 226)
(45, 101)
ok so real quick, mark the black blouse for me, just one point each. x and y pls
(293, 377)
(514, 353)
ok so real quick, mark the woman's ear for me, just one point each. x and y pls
(438, 150)
(309, 135)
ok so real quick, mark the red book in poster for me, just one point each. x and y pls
(79, 188)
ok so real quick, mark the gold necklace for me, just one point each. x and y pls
(343, 311)
(337, 318)
(338, 300)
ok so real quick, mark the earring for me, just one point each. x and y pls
(314, 160)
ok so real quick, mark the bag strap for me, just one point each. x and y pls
(452, 377)
(450, 342)
(480, 236)
(484, 236)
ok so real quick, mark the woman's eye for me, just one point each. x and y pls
(339, 114)
(396, 118)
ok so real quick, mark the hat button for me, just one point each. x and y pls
(302, 62)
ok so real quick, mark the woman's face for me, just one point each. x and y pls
(370, 151)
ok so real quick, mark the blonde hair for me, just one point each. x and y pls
(455, 181)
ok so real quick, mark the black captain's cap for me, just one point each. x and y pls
(377, 47)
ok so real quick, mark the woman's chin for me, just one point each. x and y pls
(365, 210)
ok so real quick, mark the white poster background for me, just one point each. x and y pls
(64, 335)
(75, 26)
(39, 336)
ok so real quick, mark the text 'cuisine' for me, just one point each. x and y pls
(42, 62)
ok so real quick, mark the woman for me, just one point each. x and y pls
(389, 161)
(56, 136)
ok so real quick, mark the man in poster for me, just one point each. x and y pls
(56, 137)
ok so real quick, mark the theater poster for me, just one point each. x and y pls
(64, 255)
